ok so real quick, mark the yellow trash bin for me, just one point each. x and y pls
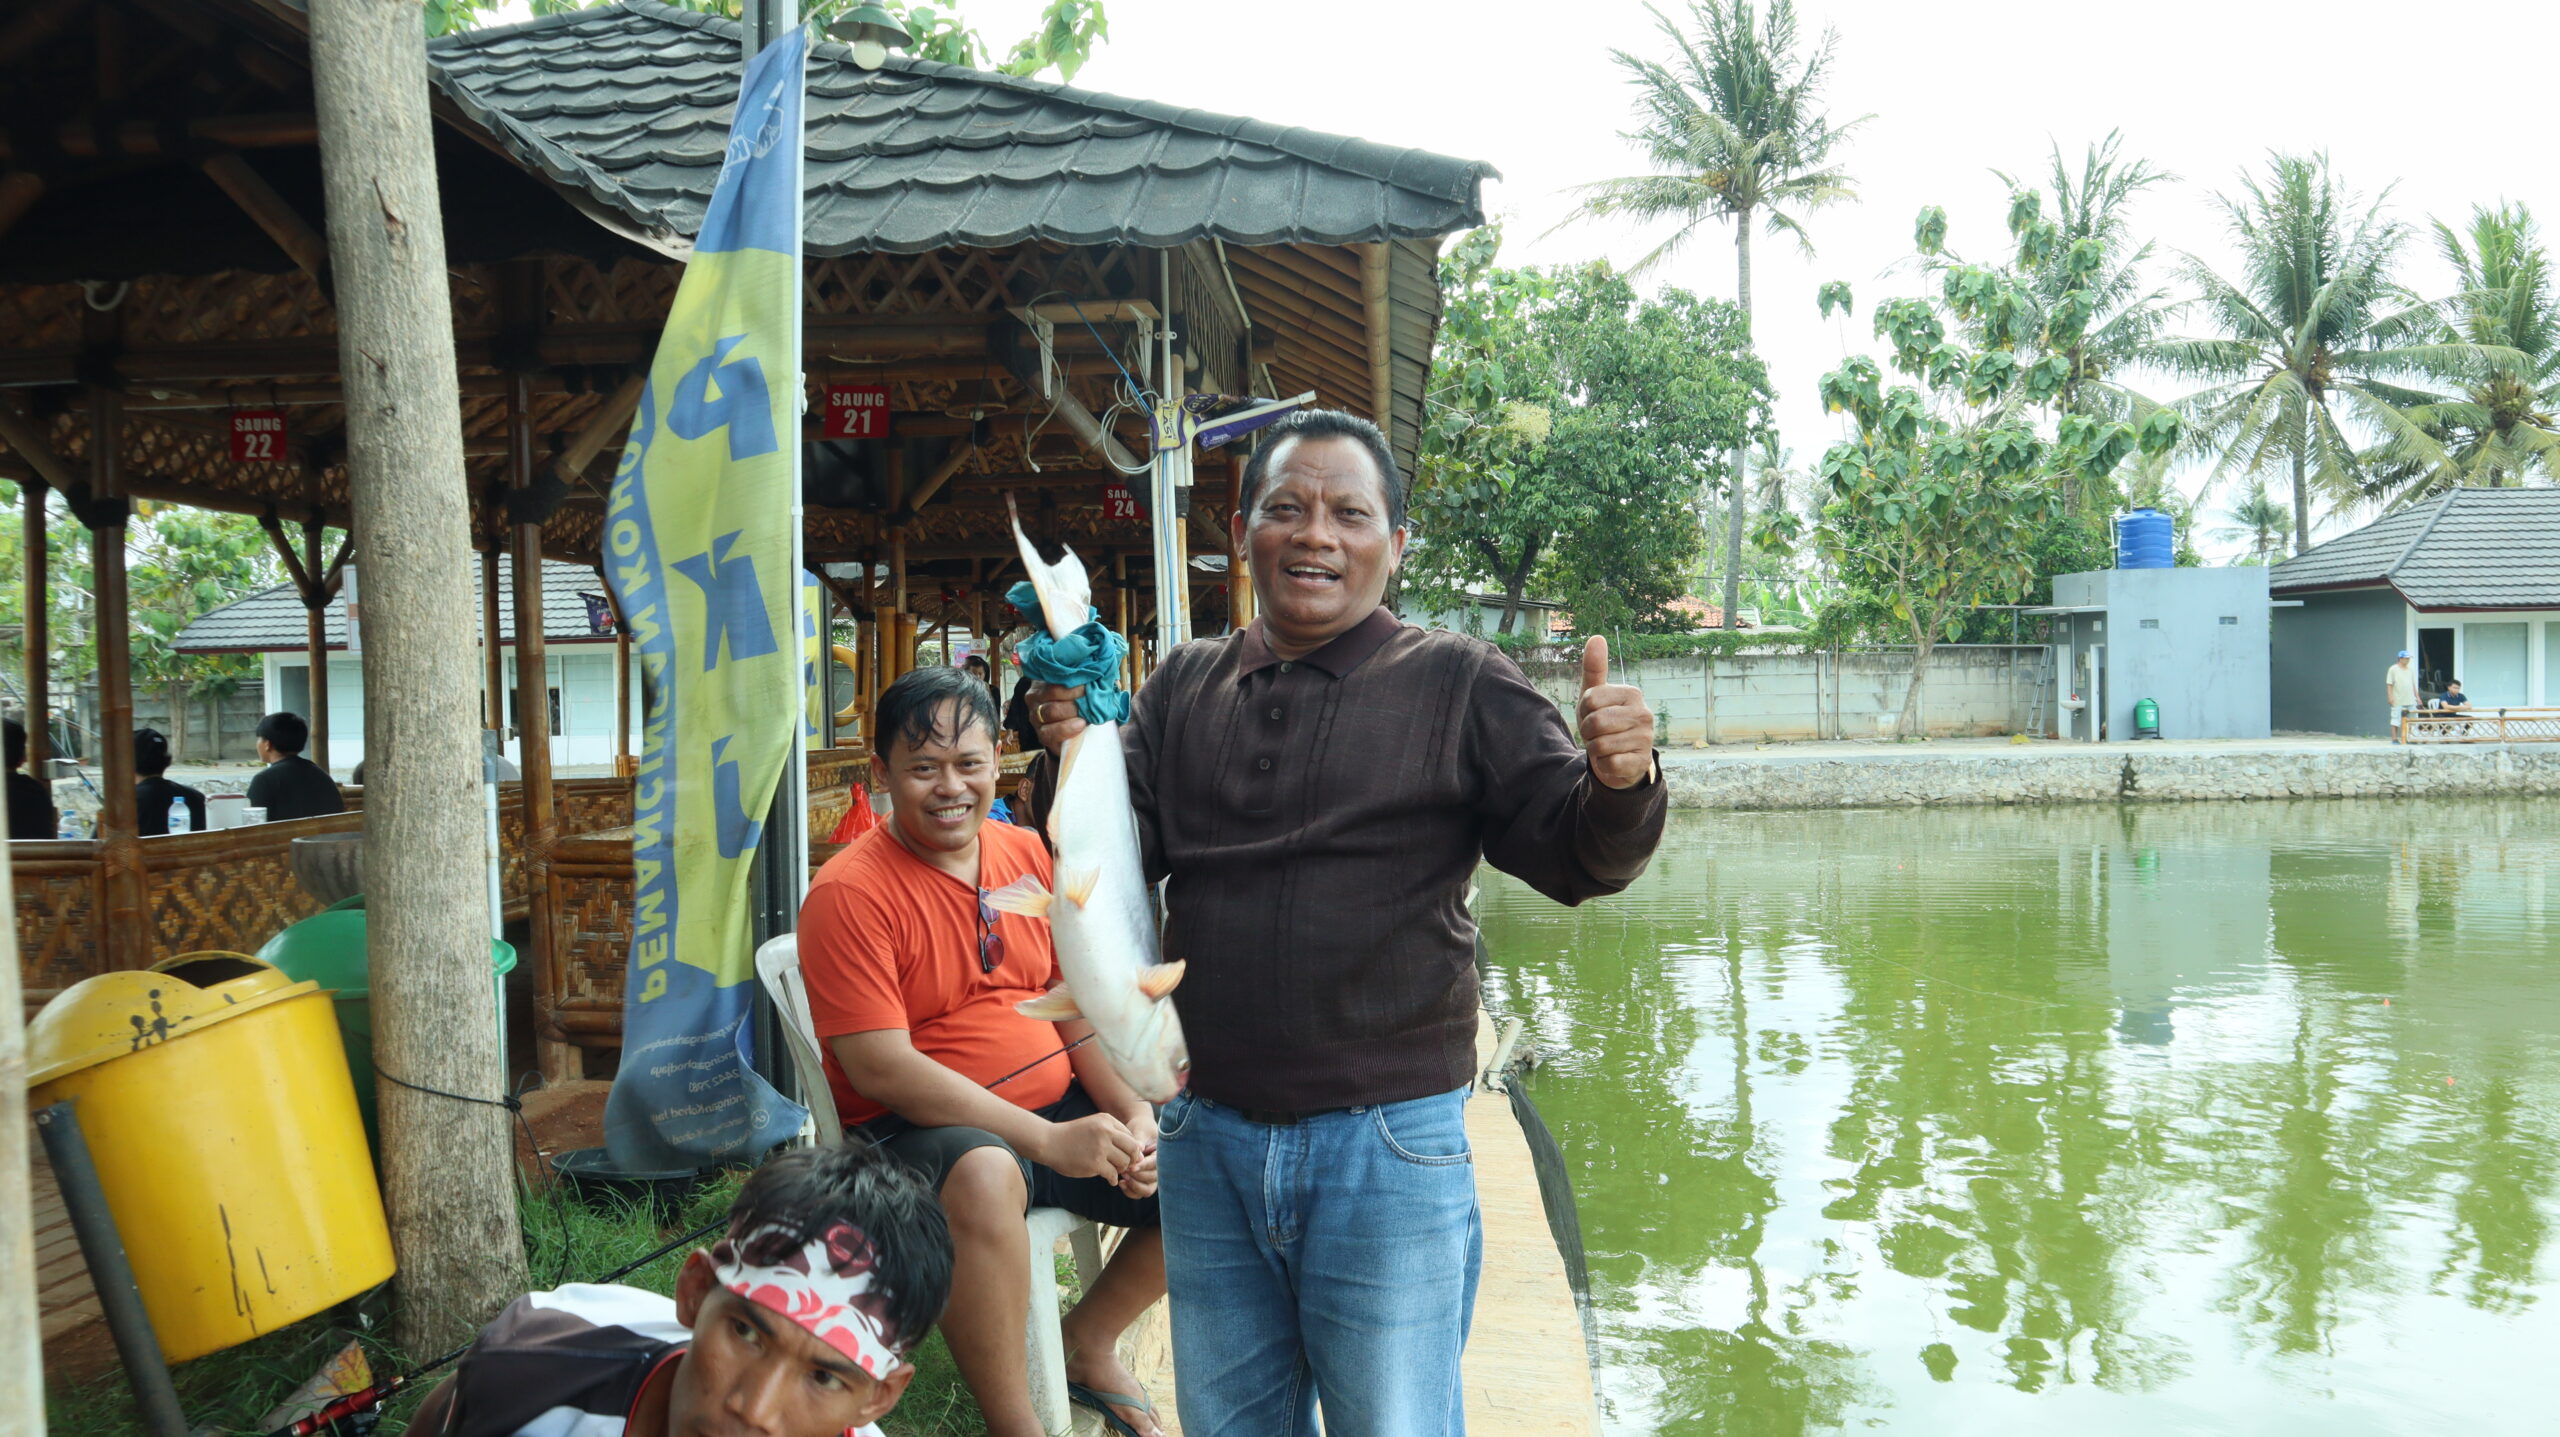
(214, 1094)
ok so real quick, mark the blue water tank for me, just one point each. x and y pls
(2146, 539)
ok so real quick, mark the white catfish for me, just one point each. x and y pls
(1101, 919)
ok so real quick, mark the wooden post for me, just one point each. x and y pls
(622, 694)
(493, 658)
(1374, 320)
(21, 1345)
(1120, 589)
(560, 1061)
(448, 1168)
(315, 622)
(128, 939)
(1239, 562)
(39, 637)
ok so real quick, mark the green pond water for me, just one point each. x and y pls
(2210, 1118)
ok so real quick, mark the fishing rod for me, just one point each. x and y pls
(373, 1398)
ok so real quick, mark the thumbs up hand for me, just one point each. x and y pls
(1615, 722)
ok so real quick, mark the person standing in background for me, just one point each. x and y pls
(155, 792)
(2400, 687)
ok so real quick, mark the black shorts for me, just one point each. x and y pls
(935, 1151)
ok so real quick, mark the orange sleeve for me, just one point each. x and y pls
(849, 962)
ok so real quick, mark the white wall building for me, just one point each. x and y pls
(578, 663)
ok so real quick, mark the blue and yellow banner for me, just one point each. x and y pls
(700, 553)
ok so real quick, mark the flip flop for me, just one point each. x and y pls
(1104, 1402)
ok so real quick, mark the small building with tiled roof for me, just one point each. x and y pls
(2468, 582)
(579, 660)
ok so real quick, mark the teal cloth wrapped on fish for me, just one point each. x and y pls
(1088, 655)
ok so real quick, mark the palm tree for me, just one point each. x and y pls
(2314, 326)
(2260, 518)
(2499, 429)
(1734, 129)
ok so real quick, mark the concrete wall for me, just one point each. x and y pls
(236, 716)
(2078, 773)
(2193, 640)
(1752, 698)
(2326, 660)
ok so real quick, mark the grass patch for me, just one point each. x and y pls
(230, 1391)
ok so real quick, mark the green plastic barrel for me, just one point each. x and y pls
(328, 948)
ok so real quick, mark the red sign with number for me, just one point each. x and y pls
(257, 436)
(1118, 502)
(857, 411)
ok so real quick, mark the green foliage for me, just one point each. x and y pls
(1834, 294)
(2497, 428)
(1062, 39)
(1569, 428)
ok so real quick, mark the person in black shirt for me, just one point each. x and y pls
(291, 786)
(31, 811)
(155, 792)
(2454, 699)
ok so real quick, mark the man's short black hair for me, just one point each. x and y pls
(150, 752)
(808, 1190)
(15, 741)
(284, 732)
(1327, 424)
(911, 709)
(976, 663)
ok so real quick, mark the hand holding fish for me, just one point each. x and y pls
(1615, 722)
(1053, 712)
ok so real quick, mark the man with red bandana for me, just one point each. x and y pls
(795, 1324)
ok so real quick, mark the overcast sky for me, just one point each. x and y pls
(1956, 88)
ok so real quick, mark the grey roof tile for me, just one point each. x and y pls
(271, 619)
(2468, 549)
(629, 104)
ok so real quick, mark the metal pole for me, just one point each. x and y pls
(1169, 480)
(102, 1248)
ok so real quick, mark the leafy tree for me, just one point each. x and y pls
(1942, 499)
(1063, 39)
(2499, 429)
(1570, 422)
(1734, 129)
(2313, 330)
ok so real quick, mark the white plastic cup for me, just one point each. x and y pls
(251, 815)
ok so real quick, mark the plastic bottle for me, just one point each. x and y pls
(70, 824)
(179, 821)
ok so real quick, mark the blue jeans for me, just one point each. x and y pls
(1335, 1259)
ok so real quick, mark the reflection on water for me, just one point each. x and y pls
(2213, 1118)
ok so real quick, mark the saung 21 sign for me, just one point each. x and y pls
(857, 411)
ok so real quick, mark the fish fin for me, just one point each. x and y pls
(1023, 897)
(1079, 885)
(1055, 1006)
(1159, 980)
(1065, 590)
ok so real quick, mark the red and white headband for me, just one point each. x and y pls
(825, 1284)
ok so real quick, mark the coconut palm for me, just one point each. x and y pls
(2260, 518)
(2313, 331)
(2499, 429)
(1734, 129)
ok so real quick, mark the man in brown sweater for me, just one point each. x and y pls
(1319, 788)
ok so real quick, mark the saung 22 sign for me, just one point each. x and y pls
(257, 436)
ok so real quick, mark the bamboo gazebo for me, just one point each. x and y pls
(986, 254)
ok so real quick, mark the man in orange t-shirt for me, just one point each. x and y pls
(912, 978)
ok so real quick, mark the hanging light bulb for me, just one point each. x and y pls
(872, 32)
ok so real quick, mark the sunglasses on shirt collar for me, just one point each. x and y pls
(990, 942)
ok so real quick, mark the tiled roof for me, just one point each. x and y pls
(628, 105)
(271, 619)
(2469, 549)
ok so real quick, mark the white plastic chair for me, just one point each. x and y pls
(778, 967)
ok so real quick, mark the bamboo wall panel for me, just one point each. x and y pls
(229, 889)
(56, 886)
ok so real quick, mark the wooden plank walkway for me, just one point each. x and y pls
(1528, 1370)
